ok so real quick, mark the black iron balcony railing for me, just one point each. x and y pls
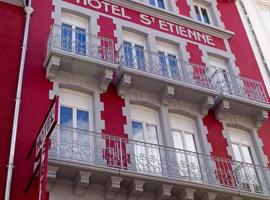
(168, 66)
(96, 149)
(80, 43)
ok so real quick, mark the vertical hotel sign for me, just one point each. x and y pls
(41, 146)
(144, 19)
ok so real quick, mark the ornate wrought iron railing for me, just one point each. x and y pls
(88, 148)
(239, 86)
(167, 66)
(80, 43)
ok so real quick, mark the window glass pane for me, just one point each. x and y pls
(177, 139)
(140, 57)
(198, 13)
(66, 37)
(151, 134)
(152, 2)
(205, 16)
(80, 41)
(173, 65)
(189, 142)
(161, 4)
(66, 116)
(128, 54)
(246, 154)
(82, 119)
(162, 63)
(237, 153)
(137, 129)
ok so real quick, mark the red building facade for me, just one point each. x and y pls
(157, 100)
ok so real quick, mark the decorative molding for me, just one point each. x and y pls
(81, 182)
(51, 177)
(112, 185)
(52, 66)
(135, 189)
(208, 102)
(222, 108)
(164, 192)
(105, 79)
(123, 84)
(187, 194)
(167, 94)
(260, 118)
(209, 196)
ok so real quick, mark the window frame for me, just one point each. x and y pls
(157, 4)
(201, 6)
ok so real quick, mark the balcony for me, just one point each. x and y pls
(77, 52)
(152, 72)
(105, 155)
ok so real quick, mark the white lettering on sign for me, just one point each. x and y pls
(147, 20)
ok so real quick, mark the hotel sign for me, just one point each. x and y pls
(150, 21)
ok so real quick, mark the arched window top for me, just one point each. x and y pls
(182, 122)
(145, 114)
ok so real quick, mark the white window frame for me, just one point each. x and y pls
(156, 4)
(201, 5)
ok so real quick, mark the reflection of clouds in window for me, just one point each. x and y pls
(66, 116)
(137, 131)
(83, 120)
(151, 135)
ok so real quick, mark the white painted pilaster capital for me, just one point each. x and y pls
(112, 185)
(207, 103)
(222, 108)
(123, 84)
(51, 176)
(187, 194)
(260, 118)
(105, 79)
(164, 192)
(52, 66)
(81, 182)
(167, 94)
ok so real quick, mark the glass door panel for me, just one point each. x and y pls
(128, 54)
(80, 38)
(66, 37)
(140, 59)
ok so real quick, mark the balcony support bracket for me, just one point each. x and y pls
(123, 84)
(52, 67)
(209, 196)
(222, 108)
(135, 189)
(187, 194)
(51, 177)
(105, 79)
(81, 182)
(112, 186)
(167, 94)
(164, 192)
(260, 118)
(207, 103)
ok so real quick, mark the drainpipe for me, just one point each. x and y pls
(28, 10)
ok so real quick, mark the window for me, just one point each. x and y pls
(183, 130)
(219, 74)
(157, 3)
(134, 50)
(75, 118)
(246, 173)
(145, 130)
(202, 13)
(168, 60)
(74, 33)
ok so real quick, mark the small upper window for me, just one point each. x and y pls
(202, 13)
(157, 3)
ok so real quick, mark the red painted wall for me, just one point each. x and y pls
(11, 29)
(183, 7)
(35, 99)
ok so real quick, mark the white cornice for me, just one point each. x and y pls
(169, 16)
(265, 3)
